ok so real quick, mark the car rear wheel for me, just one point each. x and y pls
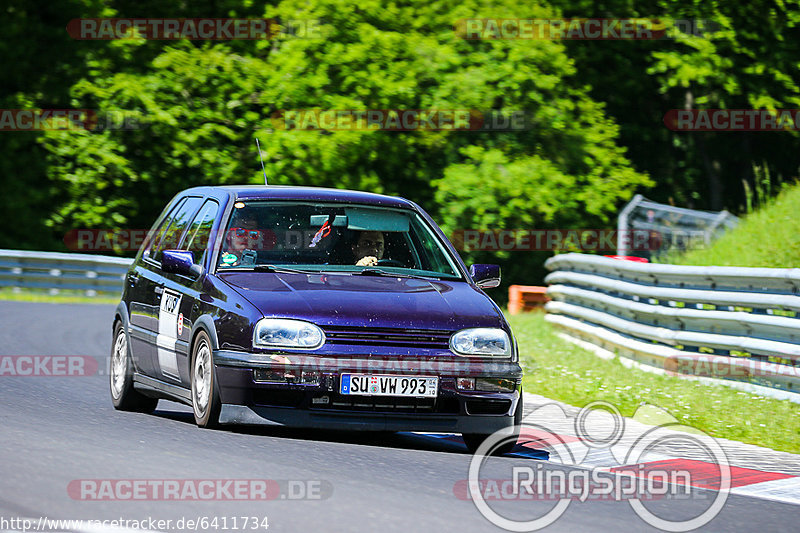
(205, 393)
(474, 440)
(123, 395)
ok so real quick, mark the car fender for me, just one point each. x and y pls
(121, 314)
(206, 323)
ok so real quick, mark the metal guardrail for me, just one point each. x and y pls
(91, 274)
(726, 322)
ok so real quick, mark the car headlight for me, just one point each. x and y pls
(492, 342)
(287, 333)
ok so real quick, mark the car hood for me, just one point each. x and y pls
(367, 301)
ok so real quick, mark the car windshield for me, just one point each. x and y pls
(333, 237)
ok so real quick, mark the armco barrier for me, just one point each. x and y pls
(91, 274)
(731, 323)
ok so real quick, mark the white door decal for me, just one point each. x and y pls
(168, 333)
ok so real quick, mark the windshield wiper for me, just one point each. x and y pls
(281, 270)
(383, 273)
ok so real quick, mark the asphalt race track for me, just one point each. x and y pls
(56, 430)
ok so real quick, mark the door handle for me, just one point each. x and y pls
(159, 289)
(133, 279)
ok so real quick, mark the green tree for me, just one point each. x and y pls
(745, 57)
(201, 104)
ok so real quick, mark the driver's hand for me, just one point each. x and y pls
(368, 261)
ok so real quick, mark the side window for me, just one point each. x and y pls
(196, 239)
(157, 233)
(173, 233)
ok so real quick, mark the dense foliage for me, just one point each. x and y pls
(594, 112)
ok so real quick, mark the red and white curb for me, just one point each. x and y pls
(755, 471)
(569, 435)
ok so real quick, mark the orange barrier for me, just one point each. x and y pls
(526, 298)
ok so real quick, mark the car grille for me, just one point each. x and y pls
(411, 338)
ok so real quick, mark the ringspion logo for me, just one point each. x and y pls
(640, 475)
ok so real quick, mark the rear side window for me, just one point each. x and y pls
(179, 223)
(196, 239)
(157, 233)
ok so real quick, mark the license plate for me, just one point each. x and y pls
(379, 385)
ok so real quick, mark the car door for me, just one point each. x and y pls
(178, 314)
(143, 307)
(166, 300)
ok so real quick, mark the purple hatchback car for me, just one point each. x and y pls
(317, 308)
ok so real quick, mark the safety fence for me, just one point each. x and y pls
(92, 275)
(732, 323)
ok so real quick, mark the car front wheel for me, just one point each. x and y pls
(205, 393)
(123, 395)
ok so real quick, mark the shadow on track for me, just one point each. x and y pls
(434, 442)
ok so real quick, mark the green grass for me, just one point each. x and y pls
(563, 371)
(768, 237)
(64, 297)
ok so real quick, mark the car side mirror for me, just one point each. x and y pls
(180, 262)
(485, 276)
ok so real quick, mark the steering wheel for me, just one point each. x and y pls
(390, 262)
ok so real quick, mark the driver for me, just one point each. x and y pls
(368, 249)
(245, 237)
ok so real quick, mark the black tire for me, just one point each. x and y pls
(474, 440)
(123, 395)
(206, 404)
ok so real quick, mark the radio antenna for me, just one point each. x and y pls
(258, 145)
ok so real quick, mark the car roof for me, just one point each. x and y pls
(285, 192)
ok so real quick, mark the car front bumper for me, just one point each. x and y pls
(247, 401)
